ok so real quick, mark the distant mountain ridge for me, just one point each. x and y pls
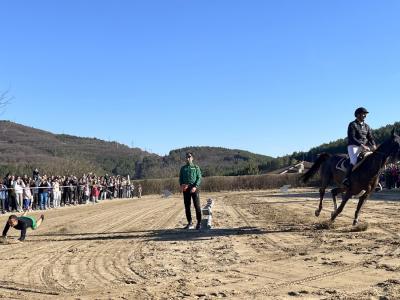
(24, 148)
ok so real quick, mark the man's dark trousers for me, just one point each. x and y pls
(187, 196)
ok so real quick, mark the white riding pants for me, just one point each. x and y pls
(353, 151)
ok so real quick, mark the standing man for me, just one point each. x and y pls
(189, 180)
(359, 136)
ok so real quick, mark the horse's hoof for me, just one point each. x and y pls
(359, 226)
(328, 224)
(317, 212)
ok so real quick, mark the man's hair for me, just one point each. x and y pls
(189, 153)
(12, 217)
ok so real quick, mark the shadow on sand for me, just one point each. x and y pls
(176, 234)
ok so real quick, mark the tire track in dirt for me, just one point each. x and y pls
(128, 272)
(67, 272)
(137, 253)
(233, 208)
(350, 267)
(362, 263)
(82, 262)
(280, 252)
(29, 265)
(344, 214)
(37, 251)
(283, 250)
(121, 265)
(47, 272)
(103, 265)
(317, 241)
(100, 250)
(25, 289)
(268, 240)
(38, 257)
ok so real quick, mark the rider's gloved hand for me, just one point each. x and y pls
(366, 148)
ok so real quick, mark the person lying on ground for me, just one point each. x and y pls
(22, 223)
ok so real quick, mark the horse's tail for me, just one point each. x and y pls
(315, 167)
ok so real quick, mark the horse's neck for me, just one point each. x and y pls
(378, 161)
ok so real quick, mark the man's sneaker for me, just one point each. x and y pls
(189, 226)
(198, 226)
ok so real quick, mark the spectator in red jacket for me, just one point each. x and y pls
(95, 192)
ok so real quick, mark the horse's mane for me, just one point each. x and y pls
(381, 149)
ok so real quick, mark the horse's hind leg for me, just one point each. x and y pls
(335, 192)
(361, 202)
(321, 197)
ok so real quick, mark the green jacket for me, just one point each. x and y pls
(190, 174)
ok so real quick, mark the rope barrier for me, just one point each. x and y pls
(65, 186)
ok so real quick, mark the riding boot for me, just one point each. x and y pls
(346, 180)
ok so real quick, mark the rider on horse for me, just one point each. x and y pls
(360, 139)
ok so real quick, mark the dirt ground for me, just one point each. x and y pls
(264, 245)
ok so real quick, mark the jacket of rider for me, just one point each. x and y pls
(359, 134)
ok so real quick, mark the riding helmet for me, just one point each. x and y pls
(360, 110)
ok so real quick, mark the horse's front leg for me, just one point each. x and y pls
(334, 214)
(360, 204)
(321, 197)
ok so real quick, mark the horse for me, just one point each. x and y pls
(364, 177)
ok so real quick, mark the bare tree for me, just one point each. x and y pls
(5, 99)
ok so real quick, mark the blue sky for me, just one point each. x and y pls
(271, 77)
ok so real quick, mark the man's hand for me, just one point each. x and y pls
(366, 148)
(373, 147)
(193, 190)
(184, 187)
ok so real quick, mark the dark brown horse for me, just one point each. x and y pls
(364, 177)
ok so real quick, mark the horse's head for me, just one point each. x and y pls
(395, 144)
(391, 147)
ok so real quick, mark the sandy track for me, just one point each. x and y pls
(265, 245)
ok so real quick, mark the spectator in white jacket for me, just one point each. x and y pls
(19, 189)
(56, 193)
(27, 196)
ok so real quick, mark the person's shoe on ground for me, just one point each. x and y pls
(189, 226)
(198, 226)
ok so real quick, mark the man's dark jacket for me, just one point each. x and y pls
(359, 134)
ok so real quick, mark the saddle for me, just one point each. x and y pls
(344, 162)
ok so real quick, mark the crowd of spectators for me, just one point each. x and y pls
(41, 192)
(390, 178)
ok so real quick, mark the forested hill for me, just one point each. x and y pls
(214, 161)
(24, 148)
(338, 146)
